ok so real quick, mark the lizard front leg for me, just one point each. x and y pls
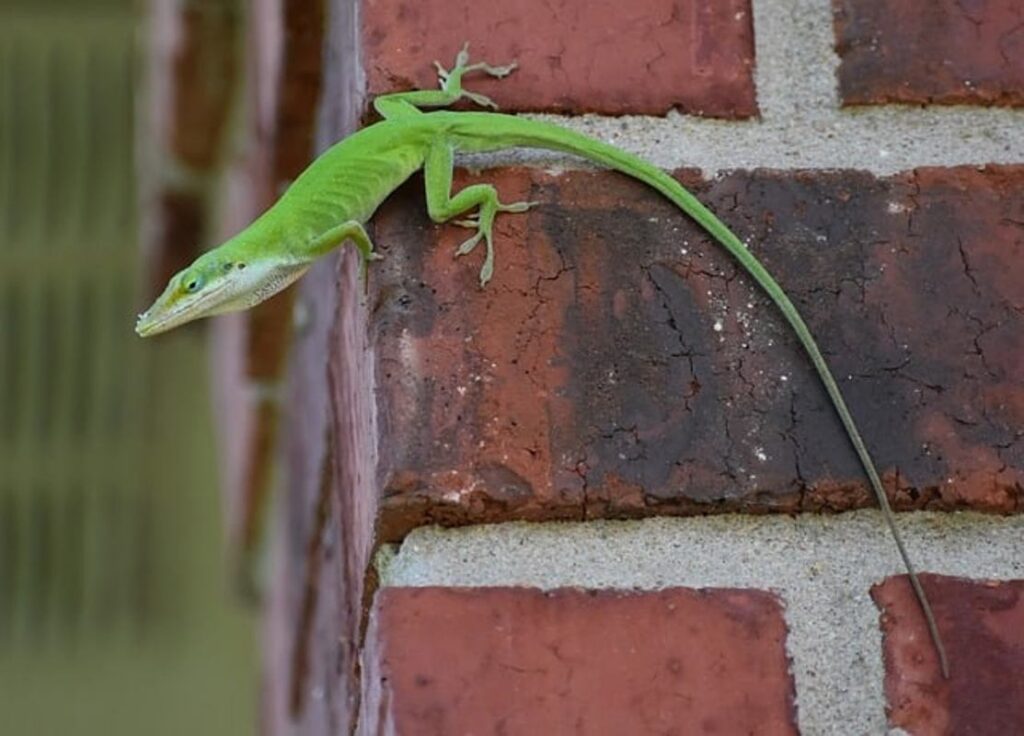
(442, 206)
(350, 230)
(401, 104)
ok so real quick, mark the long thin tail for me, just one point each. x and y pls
(541, 135)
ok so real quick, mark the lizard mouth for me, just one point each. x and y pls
(156, 320)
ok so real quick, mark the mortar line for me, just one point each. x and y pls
(794, 41)
(821, 566)
(802, 125)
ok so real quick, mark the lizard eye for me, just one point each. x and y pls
(194, 284)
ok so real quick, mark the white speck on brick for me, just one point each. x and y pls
(896, 208)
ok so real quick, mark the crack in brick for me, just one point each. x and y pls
(665, 366)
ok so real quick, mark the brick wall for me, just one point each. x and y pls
(620, 374)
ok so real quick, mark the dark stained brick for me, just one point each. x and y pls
(982, 623)
(306, 603)
(602, 56)
(499, 660)
(204, 79)
(193, 78)
(298, 88)
(316, 603)
(618, 366)
(177, 226)
(930, 51)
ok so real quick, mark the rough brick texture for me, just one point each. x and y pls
(447, 661)
(204, 80)
(982, 624)
(178, 222)
(313, 632)
(925, 51)
(250, 348)
(193, 75)
(618, 366)
(601, 56)
(283, 57)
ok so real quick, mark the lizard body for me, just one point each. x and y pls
(329, 202)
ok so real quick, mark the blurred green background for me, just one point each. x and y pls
(115, 615)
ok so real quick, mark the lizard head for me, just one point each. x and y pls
(217, 282)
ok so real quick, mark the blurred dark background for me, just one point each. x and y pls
(116, 615)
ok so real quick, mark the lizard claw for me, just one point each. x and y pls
(468, 246)
(517, 206)
(442, 73)
(462, 58)
(494, 71)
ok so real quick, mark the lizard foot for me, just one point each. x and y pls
(473, 221)
(451, 79)
(483, 222)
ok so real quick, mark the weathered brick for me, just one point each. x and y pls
(316, 605)
(982, 624)
(617, 366)
(302, 28)
(205, 71)
(178, 222)
(441, 661)
(283, 57)
(930, 51)
(602, 56)
(192, 77)
(316, 609)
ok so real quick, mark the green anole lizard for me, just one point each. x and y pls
(329, 202)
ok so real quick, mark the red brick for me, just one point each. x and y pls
(447, 661)
(602, 56)
(587, 379)
(177, 226)
(284, 48)
(192, 77)
(291, 148)
(982, 624)
(317, 608)
(205, 72)
(299, 87)
(930, 51)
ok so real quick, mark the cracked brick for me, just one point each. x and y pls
(619, 365)
(693, 55)
(930, 51)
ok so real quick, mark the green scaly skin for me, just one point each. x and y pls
(328, 204)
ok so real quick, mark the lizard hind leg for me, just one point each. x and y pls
(443, 205)
(485, 198)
